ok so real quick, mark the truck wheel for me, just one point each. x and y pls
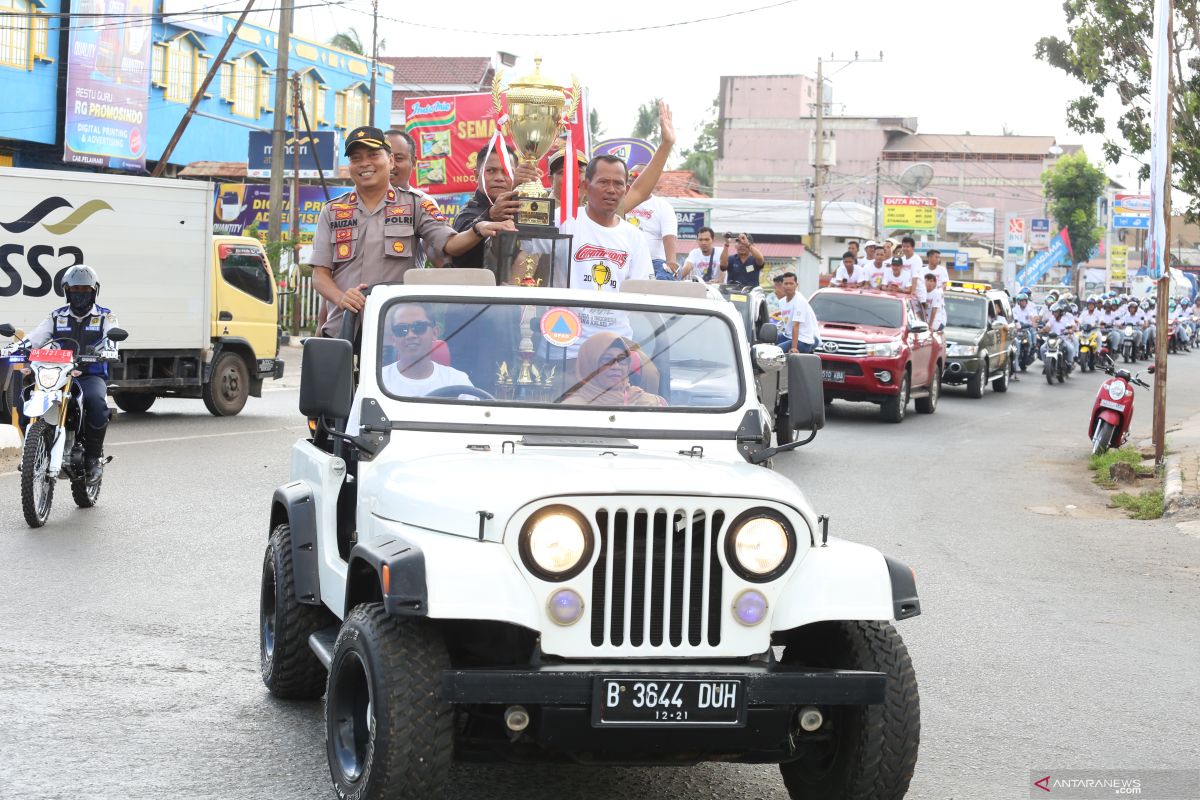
(134, 402)
(228, 386)
(871, 751)
(1001, 383)
(976, 381)
(37, 488)
(387, 732)
(289, 667)
(928, 405)
(892, 409)
(783, 423)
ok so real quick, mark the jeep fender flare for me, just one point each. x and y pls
(390, 569)
(846, 581)
(294, 504)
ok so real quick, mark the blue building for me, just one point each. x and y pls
(34, 55)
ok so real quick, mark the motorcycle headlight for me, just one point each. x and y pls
(884, 349)
(1116, 390)
(954, 349)
(47, 377)
(556, 543)
(760, 546)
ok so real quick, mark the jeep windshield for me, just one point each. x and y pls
(858, 309)
(963, 311)
(579, 356)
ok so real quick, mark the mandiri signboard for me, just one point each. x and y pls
(319, 147)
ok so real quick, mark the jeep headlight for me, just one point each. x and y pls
(955, 349)
(556, 543)
(884, 349)
(47, 377)
(760, 545)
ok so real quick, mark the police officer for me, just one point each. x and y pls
(83, 325)
(369, 236)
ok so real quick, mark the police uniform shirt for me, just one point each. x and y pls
(78, 333)
(373, 246)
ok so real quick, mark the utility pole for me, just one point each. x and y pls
(294, 224)
(875, 229)
(1164, 280)
(278, 132)
(374, 56)
(818, 164)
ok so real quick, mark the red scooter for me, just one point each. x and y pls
(1112, 413)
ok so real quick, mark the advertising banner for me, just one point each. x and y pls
(320, 147)
(634, 152)
(962, 261)
(1036, 269)
(240, 209)
(970, 220)
(1131, 211)
(452, 204)
(690, 223)
(1039, 238)
(911, 213)
(108, 85)
(450, 130)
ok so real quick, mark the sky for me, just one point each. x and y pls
(955, 65)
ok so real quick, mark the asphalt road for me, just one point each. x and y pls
(1055, 633)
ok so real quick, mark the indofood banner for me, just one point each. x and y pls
(108, 84)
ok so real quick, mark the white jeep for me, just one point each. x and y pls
(540, 530)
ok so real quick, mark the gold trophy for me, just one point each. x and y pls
(535, 118)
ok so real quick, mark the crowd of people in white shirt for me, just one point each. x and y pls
(892, 266)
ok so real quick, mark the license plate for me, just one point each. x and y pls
(1111, 406)
(662, 701)
(51, 356)
(834, 375)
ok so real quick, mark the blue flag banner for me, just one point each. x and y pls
(1160, 140)
(1037, 268)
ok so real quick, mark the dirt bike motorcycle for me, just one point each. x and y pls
(53, 404)
(1054, 362)
(1112, 412)
(1089, 348)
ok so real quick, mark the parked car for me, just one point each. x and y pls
(980, 337)
(876, 347)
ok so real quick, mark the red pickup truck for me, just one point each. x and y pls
(876, 347)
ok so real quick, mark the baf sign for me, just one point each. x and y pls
(318, 147)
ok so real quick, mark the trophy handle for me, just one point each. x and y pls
(496, 105)
(576, 97)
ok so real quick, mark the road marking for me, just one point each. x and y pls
(203, 436)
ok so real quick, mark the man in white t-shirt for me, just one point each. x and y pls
(704, 262)
(933, 263)
(656, 219)
(415, 373)
(849, 274)
(874, 272)
(797, 323)
(934, 303)
(897, 277)
(868, 255)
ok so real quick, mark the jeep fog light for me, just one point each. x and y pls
(750, 607)
(565, 607)
(556, 543)
(760, 545)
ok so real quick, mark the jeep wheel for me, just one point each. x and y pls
(1001, 383)
(289, 667)
(928, 404)
(228, 386)
(783, 423)
(976, 381)
(868, 752)
(387, 732)
(893, 408)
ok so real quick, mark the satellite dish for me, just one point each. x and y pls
(915, 178)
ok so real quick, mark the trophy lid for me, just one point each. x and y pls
(535, 79)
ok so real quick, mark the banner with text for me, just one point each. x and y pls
(108, 85)
(911, 213)
(970, 220)
(240, 209)
(1040, 264)
(1131, 211)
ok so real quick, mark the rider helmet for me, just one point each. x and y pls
(1145, 305)
(1074, 309)
(81, 286)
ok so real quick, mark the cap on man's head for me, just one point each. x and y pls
(897, 260)
(870, 244)
(557, 159)
(368, 137)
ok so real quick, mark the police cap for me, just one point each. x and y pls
(369, 136)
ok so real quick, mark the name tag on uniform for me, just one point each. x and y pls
(338, 223)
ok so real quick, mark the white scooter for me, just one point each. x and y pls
(54, 407)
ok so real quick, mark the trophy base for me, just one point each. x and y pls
(535, 211)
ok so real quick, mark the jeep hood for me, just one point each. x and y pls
(959, 335)
(445, 492)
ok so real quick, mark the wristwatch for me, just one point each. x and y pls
(475, 229)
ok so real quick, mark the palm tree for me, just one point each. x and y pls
(350, 40)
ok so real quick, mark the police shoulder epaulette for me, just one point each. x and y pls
(102, 310)
(60, 310)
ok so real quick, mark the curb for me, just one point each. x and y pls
(10, 441)
(1172, 487)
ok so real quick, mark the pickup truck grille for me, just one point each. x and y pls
(842, 347)
(657, 580)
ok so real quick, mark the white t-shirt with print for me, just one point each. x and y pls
(401, 385)
(903, 280)
(700, 264)
(844, 277)
(655, 218)
(935, 304)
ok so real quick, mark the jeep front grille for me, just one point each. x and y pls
(657, 580)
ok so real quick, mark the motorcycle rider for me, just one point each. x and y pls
(1023, 315)
(1058, 323)
(83, 325)
(1130, 314)
(1150, 337)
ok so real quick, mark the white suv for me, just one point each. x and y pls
(540, 535)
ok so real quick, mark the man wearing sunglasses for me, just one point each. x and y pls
(415, 373)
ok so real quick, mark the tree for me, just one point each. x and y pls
(594, 126)
(349, 40)
(646, 126)
(700, 158)
(1108, 50)
(1072, 187)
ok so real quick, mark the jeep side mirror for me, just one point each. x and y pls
(918, 327)
(768, 333)
(806, 395)
(327, 378)
(115, 334)
(7, 330)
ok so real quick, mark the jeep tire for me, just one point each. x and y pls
(1001, 384)
(873, 749)
(388, 733)
(976, 381)
(289, 667)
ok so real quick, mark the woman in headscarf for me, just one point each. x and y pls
(604, 364)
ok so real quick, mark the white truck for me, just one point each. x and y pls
(534, 535)
(200, 309)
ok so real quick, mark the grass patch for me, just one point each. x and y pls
(1147, 505)
(1100, 464)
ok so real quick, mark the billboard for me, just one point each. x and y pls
(1131, 211)
(911, 213)
(1039, 228)
(970, 220)
(320, 147)
(634, 152)
(240, 209)
(108, 85)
